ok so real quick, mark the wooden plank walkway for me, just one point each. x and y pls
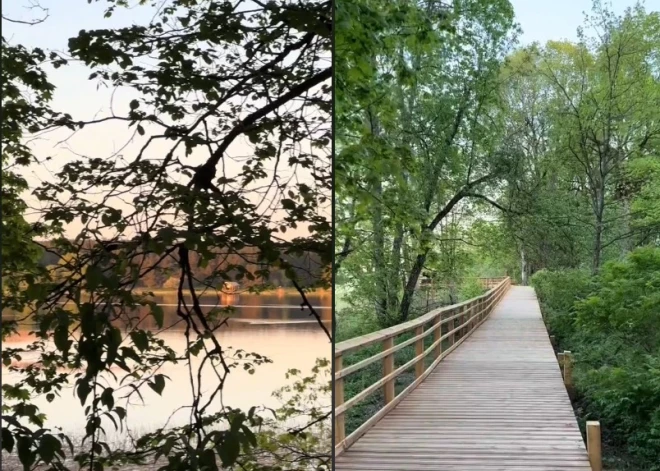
(497, 403)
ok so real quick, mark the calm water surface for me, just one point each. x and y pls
(272, 325)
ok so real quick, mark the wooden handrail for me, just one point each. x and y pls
(462, 319)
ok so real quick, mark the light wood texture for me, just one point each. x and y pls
(357, 343)
(388, 369)
(493, 401)
(437, 333)
(340, 420)
(593, 446)
(470, 314)
(568, 369)
(419, 350)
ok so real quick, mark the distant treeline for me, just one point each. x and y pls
(242, 266)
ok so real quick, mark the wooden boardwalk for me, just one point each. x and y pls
(496, 403)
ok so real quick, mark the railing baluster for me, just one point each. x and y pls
(466, 310)
(340, 420)
(437, 333)
(594, 446)
(568, 373)
(388, 367)
(419, 350)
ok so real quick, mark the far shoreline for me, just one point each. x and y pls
(209, 292)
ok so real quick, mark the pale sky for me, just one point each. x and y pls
(542, 20)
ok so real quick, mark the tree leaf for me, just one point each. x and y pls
(158, 384)
(7, 440)
(229, 449)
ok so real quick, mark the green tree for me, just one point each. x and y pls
(605, 97)
(416, 139)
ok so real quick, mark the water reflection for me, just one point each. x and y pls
(272, 325)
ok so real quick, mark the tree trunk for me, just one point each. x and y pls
(628, 243)
(523, 267)
(598, 236)
(395, 271)
(598, 242)
(378, 256)
(409, 291)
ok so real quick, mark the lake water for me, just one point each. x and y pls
(272, 325)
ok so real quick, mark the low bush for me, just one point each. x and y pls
(557, 292)
(611, 323)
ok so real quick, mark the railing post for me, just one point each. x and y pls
(593, 446)
(568, 372)
(459, 320)
(451, 326)
(340, 422)
(437, 333)
(466, 318)
(419, 350)
(476, 314)
(388, 368)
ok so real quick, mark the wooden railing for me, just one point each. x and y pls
(489, 283)
(461, 320)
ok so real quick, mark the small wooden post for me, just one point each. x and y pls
(552, 340)
(452, 326)
(560, 360)
(419, 349)
(593, 446)
(340, 423)
(468, 318)
(568, 369)
(568, 373)
(437, 333)
(388, 367)
(464, 320)
(479, 311)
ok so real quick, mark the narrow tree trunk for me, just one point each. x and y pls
(395, 271)
(598, 236)
(523, 267)
(409, 291)
(627, 244)
(598, 242)
(340, 257)
(378, 256)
